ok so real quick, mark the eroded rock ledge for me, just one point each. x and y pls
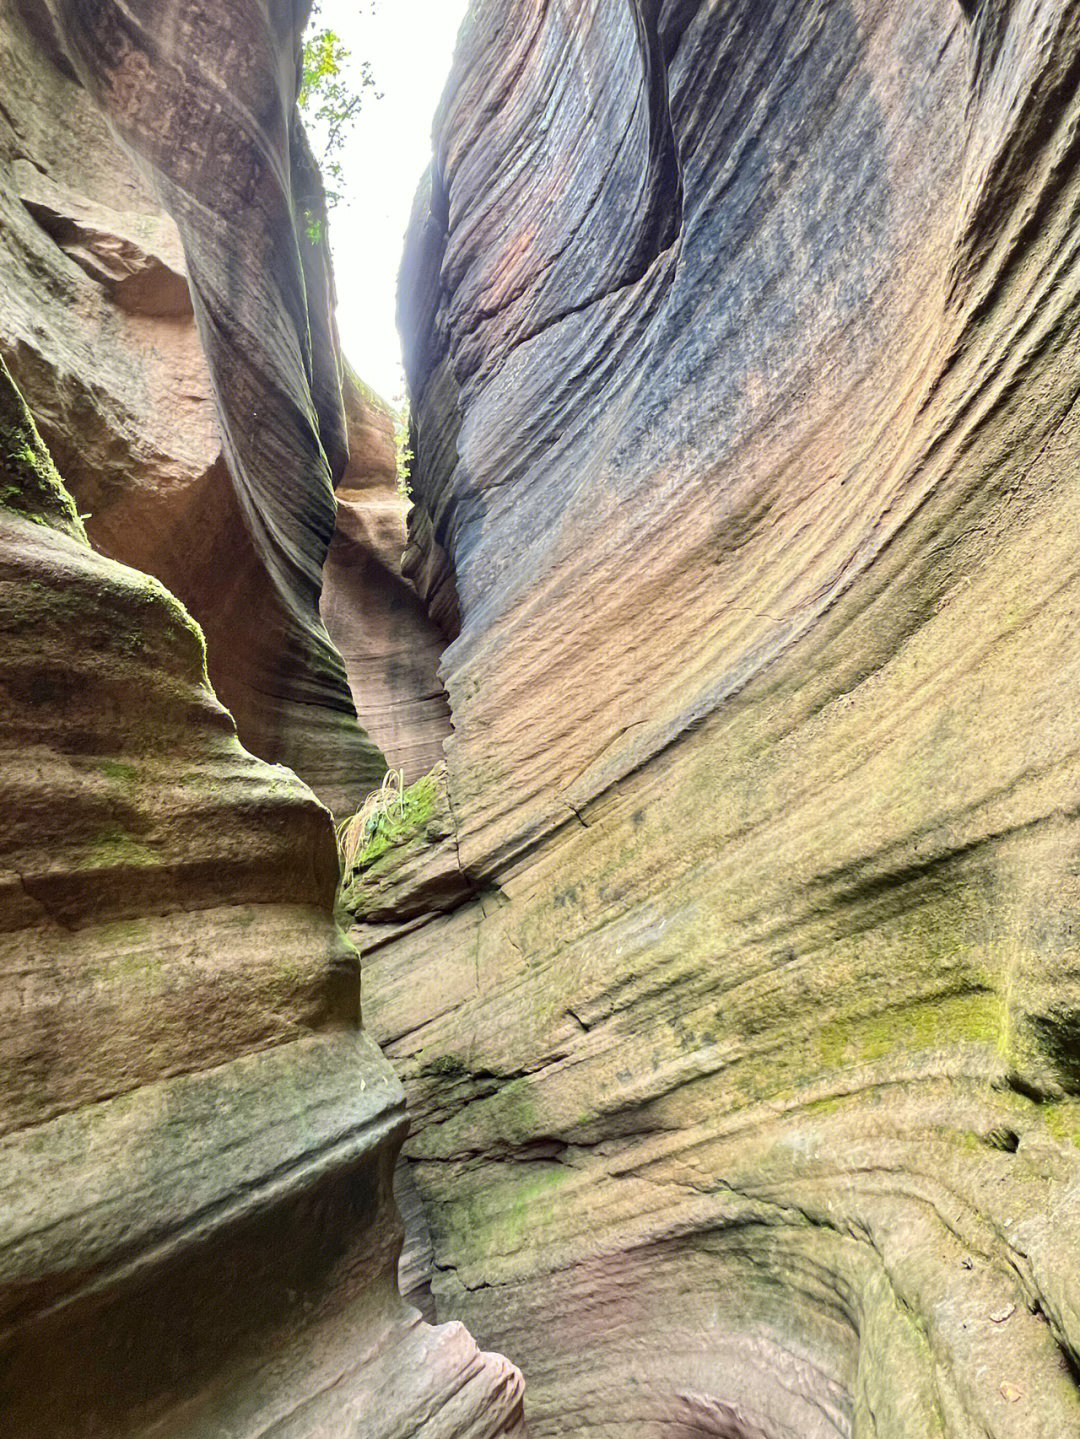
(747, 1086)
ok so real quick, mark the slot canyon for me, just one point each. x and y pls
(590, 948)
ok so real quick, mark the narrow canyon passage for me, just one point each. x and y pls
(693, 987)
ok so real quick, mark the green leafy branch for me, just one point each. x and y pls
(330, 98)
(405, 456)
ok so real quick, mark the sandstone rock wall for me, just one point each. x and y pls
(742, 339)
(197, 1140)
(375, 618)
(99, 331)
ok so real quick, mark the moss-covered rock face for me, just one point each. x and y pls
(401, 855)
(401, 820)
(747, 431)
(29, 482)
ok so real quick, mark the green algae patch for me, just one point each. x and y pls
(532, 1204)
(131, 956)
(113, 847)
(125, 775)
(446, 1066)
(832, 1104)
(1063, 1121)
(515, 1106)
(507, 1220)
(30, 484)
(972, 1018)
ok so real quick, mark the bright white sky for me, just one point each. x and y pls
(410, 44)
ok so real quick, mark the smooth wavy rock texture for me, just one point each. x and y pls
(151, 146)
(742, 339)
(375, 618)
(197, 1140)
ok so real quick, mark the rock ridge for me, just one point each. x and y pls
(97, 274)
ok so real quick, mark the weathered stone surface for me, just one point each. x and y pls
(390, 646)
(197, 1141)
(77, 227)
(100, 333)
(742, 339)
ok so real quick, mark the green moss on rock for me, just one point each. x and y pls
(29, 482)
(448, 1066)
(972, 1018)
(125, 775)
(1062, 1119)
(398, 823)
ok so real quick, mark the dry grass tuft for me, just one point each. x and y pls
(356, 832)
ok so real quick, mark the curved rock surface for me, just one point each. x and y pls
(100, 333)
(742, 340)
(197, 1141)
(375, 618)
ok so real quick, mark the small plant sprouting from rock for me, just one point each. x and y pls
(446, 1066)
(356, 833)
(388, 818)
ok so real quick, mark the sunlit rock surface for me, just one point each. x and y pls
(210, 470)
(197, 1141)
(742, 339)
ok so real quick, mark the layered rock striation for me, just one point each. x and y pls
(198, 1234)
(375, 618)
(210, 469)
(742, 341)
(205, 101)
(197, 1231)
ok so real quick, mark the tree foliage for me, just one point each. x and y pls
(402, 447)
(332, 91)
